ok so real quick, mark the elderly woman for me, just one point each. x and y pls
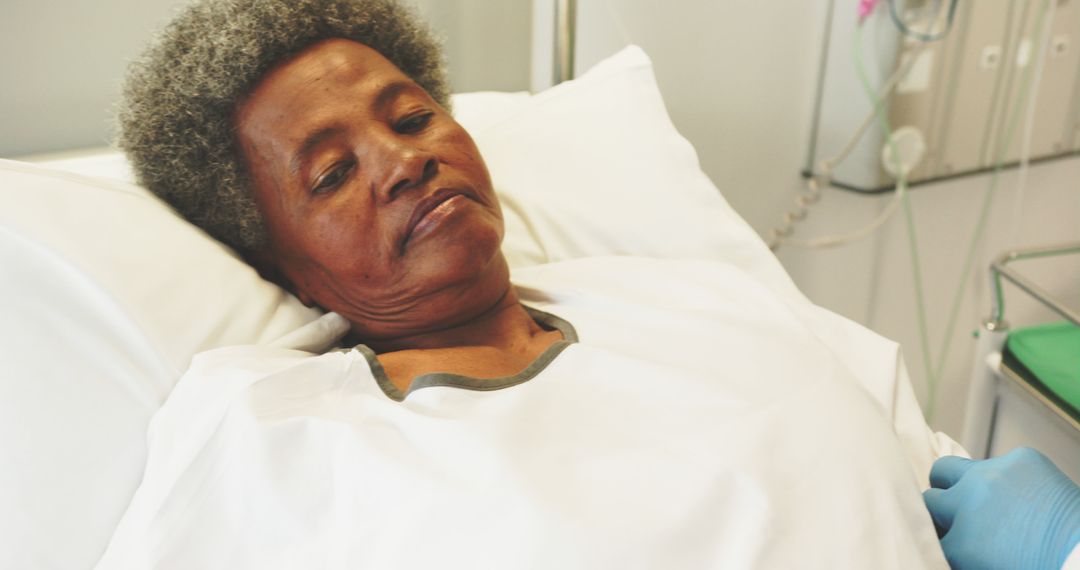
(464, 423)
(335, 167)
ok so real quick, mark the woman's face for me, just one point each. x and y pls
(377, 203)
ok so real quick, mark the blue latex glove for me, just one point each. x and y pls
(1010, 512)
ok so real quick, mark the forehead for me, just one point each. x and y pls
(314, 85)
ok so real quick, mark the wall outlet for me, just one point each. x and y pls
(990, 57)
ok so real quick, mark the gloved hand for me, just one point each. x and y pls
(1010, 512)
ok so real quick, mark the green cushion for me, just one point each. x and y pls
(1052, 354)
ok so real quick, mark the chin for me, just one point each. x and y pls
(463, 257)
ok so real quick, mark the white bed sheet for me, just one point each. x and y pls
(703, 421)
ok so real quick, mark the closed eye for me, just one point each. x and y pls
(414, 123)
(332, 178)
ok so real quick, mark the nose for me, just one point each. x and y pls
(403, 167)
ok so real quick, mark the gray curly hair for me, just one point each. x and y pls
(176, 116)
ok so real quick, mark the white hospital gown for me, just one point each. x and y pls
(702, 420)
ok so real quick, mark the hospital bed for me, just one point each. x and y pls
(1025, 388)
(108, 294)
(115, 295)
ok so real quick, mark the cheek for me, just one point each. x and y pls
(346, 245)
(466, 157)
(470, 154)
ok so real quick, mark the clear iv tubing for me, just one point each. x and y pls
(1025, 97)
(828, 164)
(1046, 13)
(815, 184)
(1029, 127)
(900, 194)
(901, 197)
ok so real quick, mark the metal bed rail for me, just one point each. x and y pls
(982, 392)
(1000, 269)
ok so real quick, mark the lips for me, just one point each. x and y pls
(428, 204)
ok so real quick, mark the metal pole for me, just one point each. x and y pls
(565, 32)
(982, 391)
(811, 155)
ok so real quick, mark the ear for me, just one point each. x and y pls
(265, 262)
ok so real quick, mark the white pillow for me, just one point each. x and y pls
(594, 166)
(107, 295)
(110, 294)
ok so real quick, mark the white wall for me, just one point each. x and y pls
(739, 78)
(486, 41)
(63, 62)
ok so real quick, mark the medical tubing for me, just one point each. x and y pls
(900, 197)
(909, 225)
(922, 36)
(815, 183)
(984, 212)
(917, 278)
(901, 183)
(886, 90)
(920, 307)
(1029, 130)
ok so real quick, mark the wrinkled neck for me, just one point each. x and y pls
(503, 325)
